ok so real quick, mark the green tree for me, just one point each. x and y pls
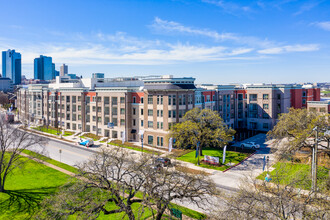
(204, 126)
(295, 130)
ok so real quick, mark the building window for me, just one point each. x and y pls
(141, 123)
(114, 100)
(150, 99)
(114, 111)
(93, 100)
(106, 100)
(174, 114)
(134, 99)
(208, 98)
(150, 112)
(122, 99)
(265, 125)
(240, 96)
(253, 97)
(265, 96)
(79, 98)
(170, 114)
(265, 106)
(134, 111)
(161, 99)
(115, 121)
(94, 108)
(180, 99)
(122, 121)
(142, 99)
(99, 99)
(160, 141)
(99, 119)
(134, 122)
(114, 134)
(79, 107)
(150, 124)
(304, 101)
(94, 118)
(142, 111)
(99, 109)
(169, 100)
(150, 139)
(122, 111)
(174, 100)
(304, 93)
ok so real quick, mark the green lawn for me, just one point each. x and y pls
(52, 131)
(27, 188)
(231, 157)
(288, 172)
(325, 92)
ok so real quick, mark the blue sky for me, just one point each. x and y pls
(280, 41)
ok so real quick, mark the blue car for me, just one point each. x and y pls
(87, 143)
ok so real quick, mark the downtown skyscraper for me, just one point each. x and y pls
(44, 68)
(12, 66)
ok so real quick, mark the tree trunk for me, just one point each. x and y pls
(160, 213)
(200, 150)
(2, 187)
(130, 214)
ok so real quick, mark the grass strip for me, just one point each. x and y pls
(52, 131)
(132, 147)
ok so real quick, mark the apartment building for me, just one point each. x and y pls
(116, 108)
(134, 108)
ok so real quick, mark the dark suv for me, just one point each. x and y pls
(164, 161)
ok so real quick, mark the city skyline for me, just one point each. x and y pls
(214, 41)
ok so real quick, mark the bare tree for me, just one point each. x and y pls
(169, 185)
(110, 176)
(124, 179)
(13, 142)
(257, 199)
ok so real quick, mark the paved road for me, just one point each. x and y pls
(70, 155)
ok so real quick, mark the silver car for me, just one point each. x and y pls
(250, 145)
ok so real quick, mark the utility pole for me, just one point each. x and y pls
(314, 161)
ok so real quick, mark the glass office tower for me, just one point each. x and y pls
(44, 68)
(12, 66)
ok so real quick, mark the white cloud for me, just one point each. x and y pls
(171, 26)
(290, 48)
(325, 25)
(307, 6)
(229, 7)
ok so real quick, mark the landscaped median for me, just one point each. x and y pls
(232, 158)
(51, 130)
(131, 146)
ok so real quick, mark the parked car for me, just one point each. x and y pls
(250, 145)
(87, 143)
(164, 161)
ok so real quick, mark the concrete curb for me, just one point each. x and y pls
(240, 162)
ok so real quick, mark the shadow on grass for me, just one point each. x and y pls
(25, 201)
